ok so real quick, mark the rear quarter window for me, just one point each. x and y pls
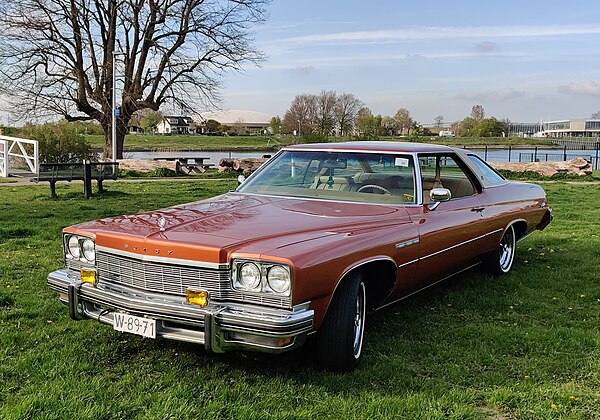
(489, 174)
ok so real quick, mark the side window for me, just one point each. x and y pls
(488, 173)
(443, 171)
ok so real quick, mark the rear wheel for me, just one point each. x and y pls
(501, 260)
(340, 338)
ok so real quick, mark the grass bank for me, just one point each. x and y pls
(524, 346)
(145, 142)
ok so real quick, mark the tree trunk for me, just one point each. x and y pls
(121, 131)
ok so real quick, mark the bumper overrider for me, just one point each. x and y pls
(218, 326)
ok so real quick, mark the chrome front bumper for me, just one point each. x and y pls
(219, 326)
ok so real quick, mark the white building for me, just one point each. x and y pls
(558, 128)
(176, 125)
(241, 120)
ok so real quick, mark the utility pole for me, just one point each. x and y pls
(114, 105)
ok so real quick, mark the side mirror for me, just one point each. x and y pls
(241, 179)
(437, 195)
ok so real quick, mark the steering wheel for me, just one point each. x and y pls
(374, 188)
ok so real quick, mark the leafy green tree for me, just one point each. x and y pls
(150, 119)
(468, 127)
(489, 127)
(369, 126)
(276, 124)
(213, 126)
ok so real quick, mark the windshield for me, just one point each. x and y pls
(357, 177)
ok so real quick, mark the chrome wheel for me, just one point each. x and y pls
(507, 250)
(359, 320)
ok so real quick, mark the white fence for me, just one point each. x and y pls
(13, 147)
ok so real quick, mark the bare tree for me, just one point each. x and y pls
(505, 124)
(404, 120)
(346, 110)
(56, 56)
(390, 125)
(301, 116)
(439, 121)
(477, 113)
(595, 115)
(325, 116)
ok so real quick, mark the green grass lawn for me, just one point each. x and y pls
(526, 345)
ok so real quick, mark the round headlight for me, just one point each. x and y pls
(89, 250)
(73, 245)
(279, 279)
(249, 276)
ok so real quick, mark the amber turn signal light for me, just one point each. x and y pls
(196, 297)
(88, 276)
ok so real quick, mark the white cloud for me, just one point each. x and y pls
(448, 32)
(582, 88)
(361, 58)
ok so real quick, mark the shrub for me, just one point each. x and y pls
(59, 143)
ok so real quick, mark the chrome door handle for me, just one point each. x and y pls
(478, 209)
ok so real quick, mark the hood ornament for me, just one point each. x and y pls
(162, 222)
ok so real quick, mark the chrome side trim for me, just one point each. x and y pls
(460, 244)
(408, 263)
(165, 260)
(407, 243)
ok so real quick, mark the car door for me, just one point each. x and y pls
(450, 232)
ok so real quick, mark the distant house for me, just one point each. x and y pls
(134, 129)
(240, 121)
(176, 125)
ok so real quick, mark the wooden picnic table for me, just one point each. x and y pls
(186, 165)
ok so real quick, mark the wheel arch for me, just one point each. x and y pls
(520, 227)
(379, 275)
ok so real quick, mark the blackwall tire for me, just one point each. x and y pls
(340, 338)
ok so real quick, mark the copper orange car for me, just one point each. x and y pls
(318, 236)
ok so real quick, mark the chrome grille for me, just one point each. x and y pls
(175, 279)
(76, 264)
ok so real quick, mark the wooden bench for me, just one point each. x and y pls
(84, 171)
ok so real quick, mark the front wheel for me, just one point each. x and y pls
(340, 338)
(501, 260)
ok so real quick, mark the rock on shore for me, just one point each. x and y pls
(578, 166)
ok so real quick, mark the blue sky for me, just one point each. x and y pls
(522, 60)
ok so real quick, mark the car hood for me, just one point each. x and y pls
(209, 230)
